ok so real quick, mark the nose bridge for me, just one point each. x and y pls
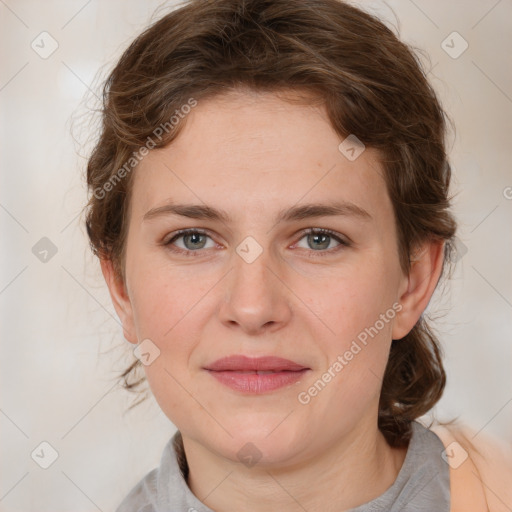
(255, 296)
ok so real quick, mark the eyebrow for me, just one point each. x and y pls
(295, 213)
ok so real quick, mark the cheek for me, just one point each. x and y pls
(350, 380)
(163, 311)
(355, 310)
(169, 309)
(351, 299)
(162, 299)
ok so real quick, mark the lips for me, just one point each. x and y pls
(257, 375)
(259, 365)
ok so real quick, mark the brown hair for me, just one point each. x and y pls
(371, 84)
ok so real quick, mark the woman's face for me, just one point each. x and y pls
(256, 283)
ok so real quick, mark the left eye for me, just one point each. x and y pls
(320, 239)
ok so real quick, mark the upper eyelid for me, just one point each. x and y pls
(187, 231)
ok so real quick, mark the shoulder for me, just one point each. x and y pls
(480, 469)
(142, 497)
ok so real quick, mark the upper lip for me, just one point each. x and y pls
(244, 363)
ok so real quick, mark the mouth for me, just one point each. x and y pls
(256, 375)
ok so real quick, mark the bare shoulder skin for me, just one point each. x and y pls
(480, 469)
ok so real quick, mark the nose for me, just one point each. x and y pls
(256, 299)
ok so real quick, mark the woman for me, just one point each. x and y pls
(270, 208)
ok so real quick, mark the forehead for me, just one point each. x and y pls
(248, 151)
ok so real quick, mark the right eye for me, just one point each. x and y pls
(192, 240)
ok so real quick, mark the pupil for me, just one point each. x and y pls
(317, 237)
(194, 238)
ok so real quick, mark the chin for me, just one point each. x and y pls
(254, 445)
(260, 454)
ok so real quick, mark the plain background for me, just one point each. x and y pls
(62, 346)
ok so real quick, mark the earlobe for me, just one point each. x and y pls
(419, 286)
(120, 299)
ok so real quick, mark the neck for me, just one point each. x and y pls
(356, 470)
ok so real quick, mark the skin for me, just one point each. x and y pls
(303, 298)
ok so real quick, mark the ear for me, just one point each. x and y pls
(120, 299)
(418, 287)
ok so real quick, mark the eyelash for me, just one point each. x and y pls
(310, 231)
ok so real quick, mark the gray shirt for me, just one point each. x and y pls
(422, 485)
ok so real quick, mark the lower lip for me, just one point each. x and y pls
(254, 383)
